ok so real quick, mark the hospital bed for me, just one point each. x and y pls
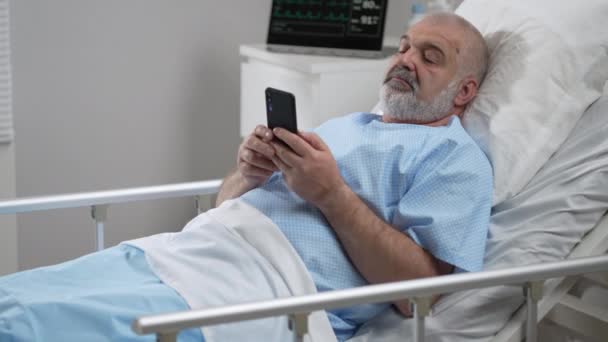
(533, 293)
(547, 241)
(556, 304)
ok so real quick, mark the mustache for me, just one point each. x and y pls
(403, 74)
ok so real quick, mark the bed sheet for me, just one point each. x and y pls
(230, 255)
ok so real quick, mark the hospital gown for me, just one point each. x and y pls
(432, 182)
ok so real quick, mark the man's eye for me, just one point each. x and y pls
(403, 48)
(431, 58)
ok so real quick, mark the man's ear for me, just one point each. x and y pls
(467, 92)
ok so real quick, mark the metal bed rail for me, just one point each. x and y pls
(531, 278)
(419, 291)
(100, 200)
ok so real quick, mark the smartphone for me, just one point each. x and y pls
(281, 110)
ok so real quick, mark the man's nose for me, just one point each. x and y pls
(406, 59)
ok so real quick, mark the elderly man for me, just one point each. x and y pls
(363, 199)
(402, 196)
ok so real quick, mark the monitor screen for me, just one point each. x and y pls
(345, 24)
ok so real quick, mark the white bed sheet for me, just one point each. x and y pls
(234, 254)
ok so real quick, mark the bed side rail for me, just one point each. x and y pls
(419, 291)
(100, 200)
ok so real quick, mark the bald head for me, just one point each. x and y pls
(436, 72)
(473, 55)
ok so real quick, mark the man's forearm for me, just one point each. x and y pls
(363, 235)
(360, 230)
(234, 185)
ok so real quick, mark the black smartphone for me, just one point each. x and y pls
(281, 110)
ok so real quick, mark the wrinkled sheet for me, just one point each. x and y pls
(233, 254)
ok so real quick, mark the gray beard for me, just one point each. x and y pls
(403, 105)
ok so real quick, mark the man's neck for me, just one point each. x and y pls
(441, 122)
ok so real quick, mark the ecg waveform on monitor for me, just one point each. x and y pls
(332, 11)
(327, 17)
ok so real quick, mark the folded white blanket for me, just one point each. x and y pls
(230, 255)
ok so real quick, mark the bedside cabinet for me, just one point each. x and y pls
(324, 86)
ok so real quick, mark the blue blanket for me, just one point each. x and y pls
(92, 298)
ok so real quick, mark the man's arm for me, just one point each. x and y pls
(233, 186)
(254, 165)
(380, 252)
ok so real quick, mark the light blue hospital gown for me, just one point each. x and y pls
(432, 182)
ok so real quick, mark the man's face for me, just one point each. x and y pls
(420, 84)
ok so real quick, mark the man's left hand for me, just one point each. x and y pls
(308, 167)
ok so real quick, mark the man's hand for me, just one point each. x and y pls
(255, 155)
(309, 168)
(254, 165)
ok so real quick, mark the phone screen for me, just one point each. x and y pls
(281, 110)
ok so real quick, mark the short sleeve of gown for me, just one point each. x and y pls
(447, 208)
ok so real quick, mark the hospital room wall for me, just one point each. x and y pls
(114, 93)
(8, 224)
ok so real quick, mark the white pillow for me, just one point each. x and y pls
(549, 62)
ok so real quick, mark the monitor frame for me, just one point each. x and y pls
(370, 43)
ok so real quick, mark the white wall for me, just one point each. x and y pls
(397, 17)
(118, 93)
(8, 227)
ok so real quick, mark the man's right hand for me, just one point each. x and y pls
(254, 165)
(254, 157)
